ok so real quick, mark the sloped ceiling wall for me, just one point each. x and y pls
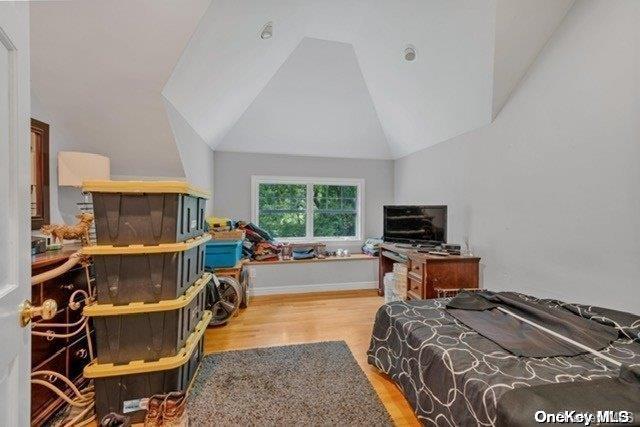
(522, 29)
(99, 67)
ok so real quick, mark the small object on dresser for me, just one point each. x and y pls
(38, 245)
(438, 253)
(80, 231)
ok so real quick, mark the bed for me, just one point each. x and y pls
(451, 375)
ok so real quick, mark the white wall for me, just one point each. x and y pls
(233, 171)
(549, 194)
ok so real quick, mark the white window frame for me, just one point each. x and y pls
(256, 180)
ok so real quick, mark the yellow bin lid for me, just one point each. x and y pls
(97, 370)
(143, 249)
(140, 187)
(96, 310)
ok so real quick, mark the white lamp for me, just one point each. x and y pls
(74, 168)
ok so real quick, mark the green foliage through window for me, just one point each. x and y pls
(283, 210)
(335, 210)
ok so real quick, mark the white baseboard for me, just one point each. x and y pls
(324, 287)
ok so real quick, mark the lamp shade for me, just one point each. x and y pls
(75, 167)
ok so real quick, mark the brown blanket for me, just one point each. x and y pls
(479, 312)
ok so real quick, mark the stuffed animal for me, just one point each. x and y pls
(70, 232)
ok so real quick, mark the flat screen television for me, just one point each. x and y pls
(415, 224)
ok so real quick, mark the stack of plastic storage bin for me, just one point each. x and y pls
(149, 314)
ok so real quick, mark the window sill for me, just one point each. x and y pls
(355, 240)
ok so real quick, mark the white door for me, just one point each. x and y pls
(15, 347)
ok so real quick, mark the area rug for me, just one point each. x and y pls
(307, 384)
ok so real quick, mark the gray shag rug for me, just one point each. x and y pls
(307, 384)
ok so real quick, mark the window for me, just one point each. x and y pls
(308, 208)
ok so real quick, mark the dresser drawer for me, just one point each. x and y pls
(415, 287)
(416, 266)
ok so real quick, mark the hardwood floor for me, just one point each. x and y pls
(302, 318)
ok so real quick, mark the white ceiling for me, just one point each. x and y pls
(98, 68)
(317, 104)
(334, 67)
(445, 92)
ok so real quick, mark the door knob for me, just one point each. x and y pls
(47, 310)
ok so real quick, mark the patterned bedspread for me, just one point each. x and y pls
(453, 376)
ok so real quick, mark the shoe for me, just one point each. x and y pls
(155, 408)
(115, 420)
(174, 412)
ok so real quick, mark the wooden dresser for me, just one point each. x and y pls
(64, 355)
(427, 272)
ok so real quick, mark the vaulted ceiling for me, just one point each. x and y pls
(332, 81)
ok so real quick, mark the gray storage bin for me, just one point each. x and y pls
(125, 333)
(146, 273)
(124, 389)
(146, 212)
(115, 394)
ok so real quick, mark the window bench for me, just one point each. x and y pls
(358, 271)
(352, 257)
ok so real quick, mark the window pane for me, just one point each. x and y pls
(335, 210)
(282, 209)
(282, 197)
(334, 224)
(284, 224)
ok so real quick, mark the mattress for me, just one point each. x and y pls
(451, 375)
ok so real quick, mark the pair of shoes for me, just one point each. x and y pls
(115, 420)
(167, 410)
(174, 414)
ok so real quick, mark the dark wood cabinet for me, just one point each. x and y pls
(427, 273)
(67, 356)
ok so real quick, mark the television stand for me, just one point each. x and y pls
(427, 272)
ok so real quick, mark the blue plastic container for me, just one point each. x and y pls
(222, 253)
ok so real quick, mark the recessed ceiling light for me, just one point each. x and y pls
(267, 31)
(410, 53)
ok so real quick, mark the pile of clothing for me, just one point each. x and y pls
(372, 247)
(258, 244)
